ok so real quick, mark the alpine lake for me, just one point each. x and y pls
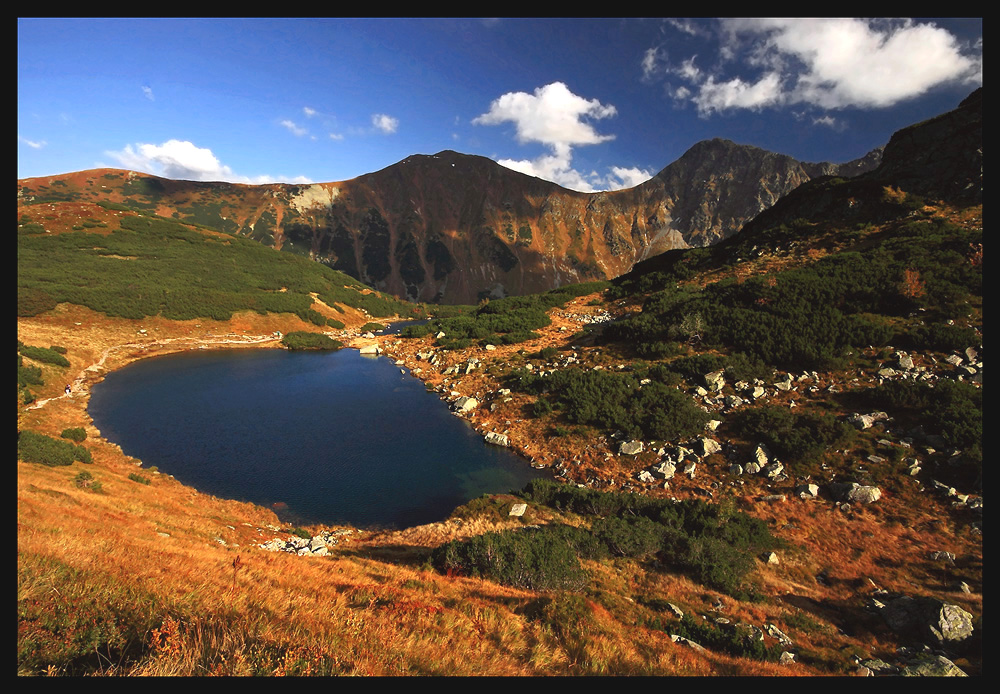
(320, 437)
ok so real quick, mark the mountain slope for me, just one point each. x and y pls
(455, 228)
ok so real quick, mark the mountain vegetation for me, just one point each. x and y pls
(767, 451)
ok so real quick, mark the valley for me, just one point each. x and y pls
(770, 441)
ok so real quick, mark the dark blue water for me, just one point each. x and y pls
(328, 437)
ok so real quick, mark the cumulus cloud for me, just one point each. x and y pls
(553, 115)
(310, 112)
(180, 159)
(558, 119)
(336, 136)
(147, 91)
(384, 123)
(831, 63)
(721, 96)
(621, 177)
(34, 144)
(296, 130)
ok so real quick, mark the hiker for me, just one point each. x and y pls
(67, 389)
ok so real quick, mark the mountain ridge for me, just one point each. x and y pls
(456, 228)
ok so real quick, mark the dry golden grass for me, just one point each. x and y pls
(157, 562)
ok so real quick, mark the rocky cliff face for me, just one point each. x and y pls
(455, 228)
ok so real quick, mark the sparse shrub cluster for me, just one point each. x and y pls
(135, 477)
(793, 437)
(78, 434)
(615, 401)
(46, 355)
(299, 340)
(33, 447)
(953, 408)
(810, 316)
(507, 321)
(713, 545)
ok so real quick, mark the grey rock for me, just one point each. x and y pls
(517, 510)
(709, 447)
(905, 362)
(927, 619)
(688, 642)
(776, 633)
(664, 470)
(736, 469)
(926, 665)
(630, 448)
(497, 439)
(465, 404)
(715, 381)
(807, 491)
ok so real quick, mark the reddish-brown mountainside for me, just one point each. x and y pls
(454, 228)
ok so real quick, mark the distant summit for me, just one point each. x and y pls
(457, 228)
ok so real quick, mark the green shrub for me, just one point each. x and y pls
(33, 447)
(28, 375)
(44, 355)
(533, 558)
(334, 323)
(372, 327)
(302, 533)
(77, 434)
(138, 478)
(794, 437)
(302, 340)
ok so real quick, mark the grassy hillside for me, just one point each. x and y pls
(790, 342)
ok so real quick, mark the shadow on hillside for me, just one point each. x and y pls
(412, 556)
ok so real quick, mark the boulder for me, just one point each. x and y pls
(709, 446)
(715, 381)
(630, 448)
(853, 492)
(664, 470)
(807, 491)
(465, 404)
(497, 439)
(926, 665)
(926, 620)
(518, 510)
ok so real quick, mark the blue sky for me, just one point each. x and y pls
(592, 104)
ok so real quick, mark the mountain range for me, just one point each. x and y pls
(457, 228)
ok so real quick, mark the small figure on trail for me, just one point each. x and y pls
(68, 389)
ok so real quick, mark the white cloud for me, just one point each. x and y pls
(621, 177)
(34, 144)
(180, 159)
(386, 124)
(148, 92)
(653, 62)
(686, 26)
(336, 136)
(310, 112)
(721, 96)
(836, 63)
(296, 130)
(829, 121)
(688, 70)
(553, 115)
(558, 119)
